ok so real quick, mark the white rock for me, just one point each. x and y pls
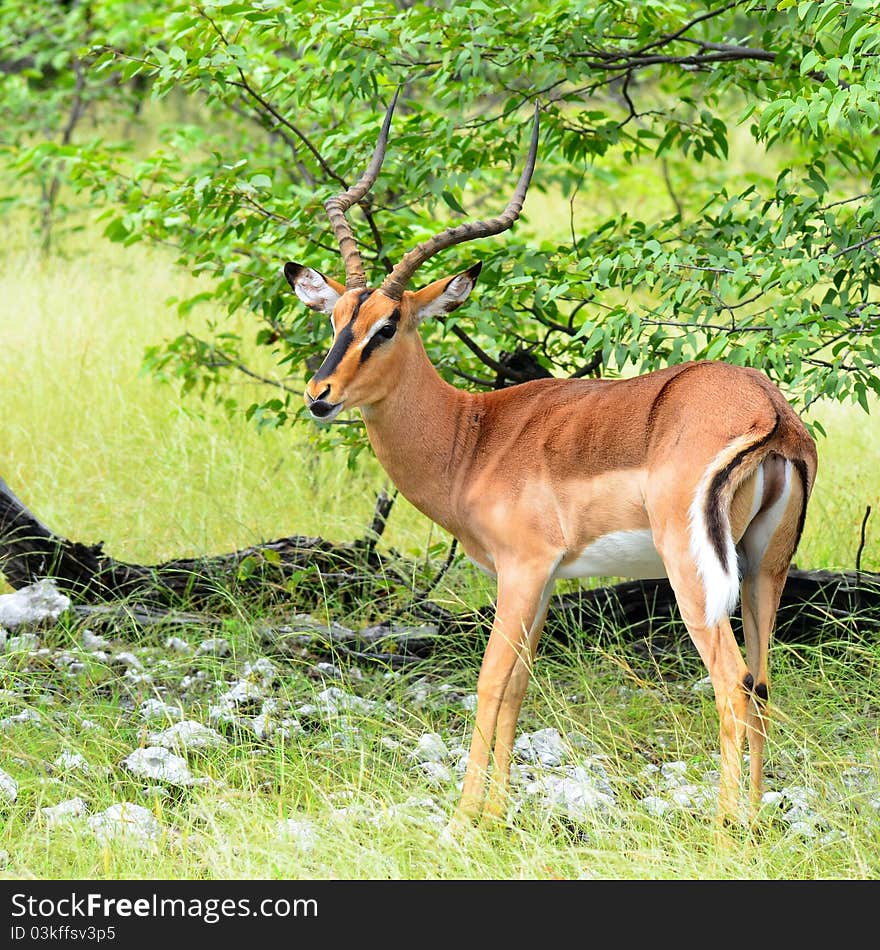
(26, 715)
(263, 670)
(23, 642)
(673, 773)
(129, 660)
(328, 669)
(696, 797)
(574, 795)
(157, 709)
(160, 765)
(33, 604)
(4, 634)
(63, 812)
(335, 700)
(187, 735)
(436, 773)
(244, 691)
(655, 806)
(125, 819)
(302, 831)
(72, 762)
(430, 748)
(216, 646)
(92, 642)
(177, 645)
(703, 685)
(8, 787)
(546, 748)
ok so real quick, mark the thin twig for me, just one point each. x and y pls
(862, 539)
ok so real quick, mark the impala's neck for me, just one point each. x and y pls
(421, 431)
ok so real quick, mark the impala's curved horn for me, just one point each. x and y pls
(395, 283)
(339, 204)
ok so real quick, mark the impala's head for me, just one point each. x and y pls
(372, 334)
(374, 329)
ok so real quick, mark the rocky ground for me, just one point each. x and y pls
(182, 711)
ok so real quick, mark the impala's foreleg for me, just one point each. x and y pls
(523, 593)
(508, 714)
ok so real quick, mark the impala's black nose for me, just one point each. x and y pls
(321, 408)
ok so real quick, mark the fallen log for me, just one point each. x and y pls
(298, 571)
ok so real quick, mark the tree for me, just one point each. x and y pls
(773, 266)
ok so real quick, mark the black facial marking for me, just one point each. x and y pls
(762, 692)
(337, 352)
(342, 342)
(748, 682)
(382, 336)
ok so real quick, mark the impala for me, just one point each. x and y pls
(699, 472)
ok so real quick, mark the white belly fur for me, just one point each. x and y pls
(618, 554)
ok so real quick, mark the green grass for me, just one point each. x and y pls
(101, 452)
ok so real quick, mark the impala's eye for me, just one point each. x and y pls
(387, 331)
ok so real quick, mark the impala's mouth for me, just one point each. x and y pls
(324, 411)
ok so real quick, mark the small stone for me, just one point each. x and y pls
(703, 685)
(430, 748)
(26, 715)
(129, 660)
(8, 787)
(71, 762)
(4, 635)
(33, 604)
(329, 670)
(334, 700)
(673, 773)
(215, 646)
(125, 819)
(177, 645)
(575, 795)
(157, 709)
(92, 642)
(655, 806)
(546, 748)
(160, 765)
(24, 642)
(301, 831)
(63, 812)
(436, 773)
(187, 735)
(263, 670)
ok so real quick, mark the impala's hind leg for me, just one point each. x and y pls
(716, 644)
(767, 546)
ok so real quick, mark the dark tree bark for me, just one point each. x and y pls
(815, 604)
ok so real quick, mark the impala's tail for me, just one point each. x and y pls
(711, 539)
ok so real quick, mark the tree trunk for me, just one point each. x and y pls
(815, 604)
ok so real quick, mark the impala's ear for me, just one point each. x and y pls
(445, 295)
(313, 289)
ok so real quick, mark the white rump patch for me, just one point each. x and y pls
(617, 554)
(757, 537)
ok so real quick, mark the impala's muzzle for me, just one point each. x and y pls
(321, 408)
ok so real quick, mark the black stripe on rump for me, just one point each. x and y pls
(341, 344)
(714, 519)
(377, 339)
(801, 467)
